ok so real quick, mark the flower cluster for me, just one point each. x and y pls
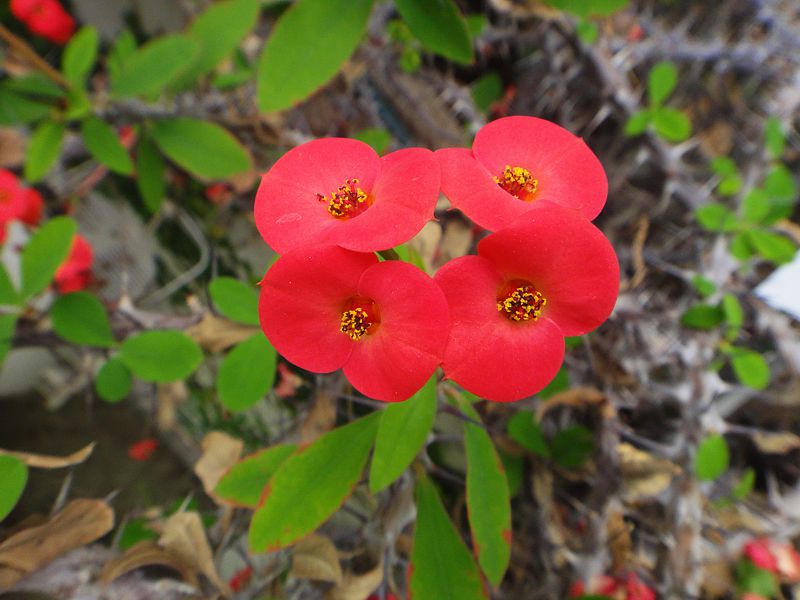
(46, 18)
(495, 322)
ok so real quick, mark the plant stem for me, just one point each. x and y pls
(28, 53)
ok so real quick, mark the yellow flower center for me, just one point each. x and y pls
(520, 301)
(347, 201)
(518, 182)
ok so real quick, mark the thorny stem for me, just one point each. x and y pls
(32, 57)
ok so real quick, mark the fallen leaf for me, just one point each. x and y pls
(45, 461)
(619, 540)
(316, 558)
(321, 418)
(220, 453)
(357, 586)
(144, 554)
(168, 397)
(778, 442)
(216, 334)
(644, 474)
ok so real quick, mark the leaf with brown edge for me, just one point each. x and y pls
(244, 483)
(144, 554)
(220, 453)
(46, 461)
(316, 558)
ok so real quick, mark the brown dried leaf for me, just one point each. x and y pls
(778, 442)
(216, 334)
(45, 461)
(79, 523)
(143, 554)
(578, 397)
(321, 419)
(316, 558)
(619, 540)
(168, 397)
(220, 453)
(12, 148)
(645, 475)
(357, 586)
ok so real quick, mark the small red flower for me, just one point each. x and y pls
(636, 589)
(17, 202)
(384, 323)
(550, 275)
(75, 273)
(240, 579)
(338, 191)
(516, 162)
(760, 554)
(143, 449)
(46, 18)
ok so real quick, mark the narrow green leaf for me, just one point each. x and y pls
(703, 316)
(13, 476)
(34, 84)
(235, 300)
(750, 368)
(150, 168)
(81, 318)
(311, 485)
(246, 480)
(637, 123)
(43, 149)
(734, 314)
(44, 253)
(488, 500)
(440, 26)
(572, 446)
(772, 246)
(661, 82)
(161, 356)
(307, 47)
(202, 148)
(80, 55)
(247, 373)
(671, 124)
(21, 110)
(113, 381)
(774, 137)
(712, 458)
(487, 90)
(716, 217)
(103, 142)
(376, 137)
(523, 429)
(8, 324)
(152, 67)
(402, 432)
(441, 566)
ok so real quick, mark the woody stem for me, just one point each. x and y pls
(24, 50)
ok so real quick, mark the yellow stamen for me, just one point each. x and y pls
(355, 323)
(521, 303)
(518, 182)
(347, 201)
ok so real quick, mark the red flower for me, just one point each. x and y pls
(75, 273)
(779, 558)
(516, 162)
(384, 323)
(241, 578)
(17, 202)
(338, 191)
(143, 449)
(46, 18)
(636, 589)
(552, 274)
(760, 554)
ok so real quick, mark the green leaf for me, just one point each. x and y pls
(124, 47)
(716, 217)
(311, 485)
(587, 31)
(441, 566)
(218, 32)
(439, 26)
(135, 531)
(21, 110)
(704, 287)
(113, 381)
(741, 248)
(588, 8)
(724, 166)
(44, 253)
(103, 142)
(307, 47)
(661, 82)
(161, 356)
(202, 148)
(572, 446)
(487, 90)
(8, 324)
(703, 316)
(152, 67)
(246, 480)
(79, 105)
(745, 484)
(376, 137)
(637, 123)
(13, 476)
(671, 124)
(774, 137)
(247, 373)
(9, 296)
(402, 433)
(488, 500)
(782, 191)
(753, 579)
(515, 467)
(712, 458)
(756, 206)
(750, 368)
(81, 318)
(476, 24)
(734, 315)
(523, 429)
(558, 384)
(772, 246)
(34, 84)
(80, 55)
(150, 168)
(235, 300)
(43, 149)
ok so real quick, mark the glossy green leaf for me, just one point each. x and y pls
(152, 67)
(523, 429)
(202, 148)
(439, 26)
(247, 373)
(44, 253)
(150, 169)
(8, 324)
(246, 480)
(703, 316)
(637, 123)
(402, 433)
(161, 356)
(712, 458)
(376, 137)
(81, 318)
(716, 217)
(310, 42)
(487, 90)
(774, 137)
(80, 55)
(488, 500)
(113, 381)
(13, 476)
(235, 300)
(311, 485)
(750, 368)
(572, 446)
(661, 82)
(441, 565)
(671, 124)
(103, 143)
(43, 149)
(772, 246)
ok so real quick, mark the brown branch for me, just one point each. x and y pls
(28, 53)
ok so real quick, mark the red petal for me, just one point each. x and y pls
(567, 170)
(287, 211)
(301, 303)
(75, 272)
(566, 258)
(407, 347)
(487, 354)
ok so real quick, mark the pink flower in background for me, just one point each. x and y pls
(75, 273)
